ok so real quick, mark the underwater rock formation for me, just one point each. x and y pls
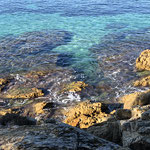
(27, 50)
(23, 92)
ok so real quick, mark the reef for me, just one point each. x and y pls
(23, 92)
(22, 52)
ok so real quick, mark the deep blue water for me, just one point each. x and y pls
(87, 33)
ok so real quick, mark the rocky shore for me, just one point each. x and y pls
(30, 120)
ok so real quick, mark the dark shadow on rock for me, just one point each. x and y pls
(15, 119)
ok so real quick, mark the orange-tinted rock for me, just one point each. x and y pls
(74, 87)
(137, 98)
(34, 109)
(3, 83)
(24, 92)
(36, 74)
(85, 114)
(143, 61)
(142, 82)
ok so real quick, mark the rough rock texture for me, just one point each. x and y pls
(74, 86)
(24, 92)
(109, 130)
(133, 133)
(123, 114)
(52, 136)
(3, 83)
(137, 98)
(142, 82)
(86, 114)
(136, 133)
(143, 61)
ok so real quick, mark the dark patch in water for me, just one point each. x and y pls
(31, 49)
(64, 60)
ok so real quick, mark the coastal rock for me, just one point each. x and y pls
(109, 130)
(136, 134)
(137, 98)
(86, 114)
(74, 87)
(3, 83)
(123, 114)
(143, 61)
(142, 82)
(23, 92)
(53, 136)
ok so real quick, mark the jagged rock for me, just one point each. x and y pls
(136, 134)
(86, 114)
(143, 61)
(109, 130)
(142, 82)
(137, 98)
(54, 136)
(23, 92)
(123, 114)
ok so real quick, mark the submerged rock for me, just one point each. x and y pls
(53, 136)
(74, 87)
(27, 50)
(23, 92)
(143, 61)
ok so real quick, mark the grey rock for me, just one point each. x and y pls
(51, 136)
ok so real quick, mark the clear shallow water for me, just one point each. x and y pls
(90, 22)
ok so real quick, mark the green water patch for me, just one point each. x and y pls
(86, 31)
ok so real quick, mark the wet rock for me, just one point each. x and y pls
(23, 92)
(86, 114)
(142, 82)
(143, 61)
(123, 114)
(137, 98)
(15, 119)
(52, 136)
(74, 87)
(36, 108)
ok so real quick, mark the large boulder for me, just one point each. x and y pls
(143, 61)
(52, 136)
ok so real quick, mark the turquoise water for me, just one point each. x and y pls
(88, 21)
